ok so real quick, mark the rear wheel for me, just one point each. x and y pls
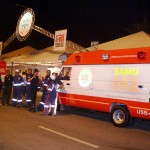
(120, 116)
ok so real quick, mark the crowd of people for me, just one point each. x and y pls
(27, 85)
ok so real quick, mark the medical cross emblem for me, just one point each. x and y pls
(85, 77)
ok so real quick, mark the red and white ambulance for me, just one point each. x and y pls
(114, 81)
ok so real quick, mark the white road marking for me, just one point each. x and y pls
(69, 137)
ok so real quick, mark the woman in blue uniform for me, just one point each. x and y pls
(53, 87)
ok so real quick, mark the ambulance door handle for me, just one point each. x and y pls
(140, 86)
(67, 83)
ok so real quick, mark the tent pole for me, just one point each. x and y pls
(12, 67)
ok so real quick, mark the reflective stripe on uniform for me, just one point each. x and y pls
(53, 106)
(19, 100)
(15, 100)
(28, 100)
(17, 84)
(45, 84)
(50, 89)
(46, 106)
(28, 83)
(42, 103)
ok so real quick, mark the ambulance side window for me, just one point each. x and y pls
(65, 74)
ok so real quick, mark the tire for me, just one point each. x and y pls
(120, 116)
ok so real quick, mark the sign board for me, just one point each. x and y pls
(2, 68)
(60, 40)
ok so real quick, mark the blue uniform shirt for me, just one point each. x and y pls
(18, 80)
(47, 80)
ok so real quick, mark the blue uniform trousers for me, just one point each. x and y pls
(17, 96)
(50, 103)
(43, 99)
(28, 95)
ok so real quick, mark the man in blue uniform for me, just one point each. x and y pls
(7, 88)
(45, 91)
(17, 89)
(53, 87)
(34, 80)
(28, 94)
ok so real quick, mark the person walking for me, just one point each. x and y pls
(44, 90)
(34, 80)
(7, 88)
(50, 104)
(17, 89)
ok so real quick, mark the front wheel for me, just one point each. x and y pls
(120, 116)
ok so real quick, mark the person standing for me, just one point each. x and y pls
(50, 103)
(24, 84)
(17, 89)
(28, 94)
(45, 91)
(34, 80)
(7, 88)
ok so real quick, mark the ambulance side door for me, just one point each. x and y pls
(65, 92)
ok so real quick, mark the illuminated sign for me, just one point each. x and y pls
(85, 77)
(126, 71)
(25, 24)
(60, 40)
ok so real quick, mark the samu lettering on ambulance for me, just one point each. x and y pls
(126, 71)
(122, 77)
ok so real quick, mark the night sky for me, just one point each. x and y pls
(85, 20)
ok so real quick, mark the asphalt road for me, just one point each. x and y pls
(71, 129)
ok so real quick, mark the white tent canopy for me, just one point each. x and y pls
(139, 39)
(29, 54)
(49, 57)
(29, 57)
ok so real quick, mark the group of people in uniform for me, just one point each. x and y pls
(48, 86)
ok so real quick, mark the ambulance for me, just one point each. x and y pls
(112, 81)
